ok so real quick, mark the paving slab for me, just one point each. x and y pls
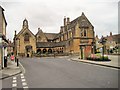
(11, 70)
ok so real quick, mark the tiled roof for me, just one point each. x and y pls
(115, 38)
(50, 44)
(50, 36)
(45, 44)
(83, 22)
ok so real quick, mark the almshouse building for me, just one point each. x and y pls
(76, 37)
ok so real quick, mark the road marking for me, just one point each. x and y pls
(14, 78)
(25, 87)
(14, 85)
(22, 77)
(21, 74)
(22, 67)
(24, 83)
(23, 80)
(14, 81)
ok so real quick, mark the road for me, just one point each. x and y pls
(62, 73)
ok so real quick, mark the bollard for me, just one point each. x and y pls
(15, 59)
(17, 62)
(5, 61)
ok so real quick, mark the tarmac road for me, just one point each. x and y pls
(62, 73)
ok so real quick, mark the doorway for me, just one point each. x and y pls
(28, 55)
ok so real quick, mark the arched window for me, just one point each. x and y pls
(44, 51)
(39, 51)
(49, 50)
(26, 37)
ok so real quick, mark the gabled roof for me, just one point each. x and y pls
(83, 22)
(22, 31)
(50, 36)
(115, 38)
(3, 15)
(41, 34)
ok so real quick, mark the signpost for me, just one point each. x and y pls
(103, 41)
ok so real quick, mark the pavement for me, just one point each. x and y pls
(10, 70)
(113, 63)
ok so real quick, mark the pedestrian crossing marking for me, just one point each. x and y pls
(14, 81)
(25, 87)
(24, 84)
(14, 85)
(14, 78)
(23, 80)
(21, 74)
(22, 77)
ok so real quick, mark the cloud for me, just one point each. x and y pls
(48, 14)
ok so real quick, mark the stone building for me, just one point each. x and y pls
(25, 41)
(111, 46)
(3, 40)
(76, 37)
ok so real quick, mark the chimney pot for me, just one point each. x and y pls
(65, 23)
(68, 20)
(110, 33)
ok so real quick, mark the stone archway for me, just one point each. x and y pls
(44, 51)
(49, 50)
(28, 50)
(38, 51)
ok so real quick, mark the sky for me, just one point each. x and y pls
(48, 14)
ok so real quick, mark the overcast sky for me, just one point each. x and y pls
(49, 14)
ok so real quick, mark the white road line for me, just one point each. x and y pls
(14, 78)
(14, 85)
(23, 69)
(25, 87)
(23, 80)
(24, 83)
(21, 74)
(14, 81)
(22, 77)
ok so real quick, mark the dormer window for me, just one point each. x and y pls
(26, 37)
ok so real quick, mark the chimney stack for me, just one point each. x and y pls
(96, 36)
(110, 33)
(65, 23)
(38, 29)
(61, 29)
(68, 20)
(15, 33)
